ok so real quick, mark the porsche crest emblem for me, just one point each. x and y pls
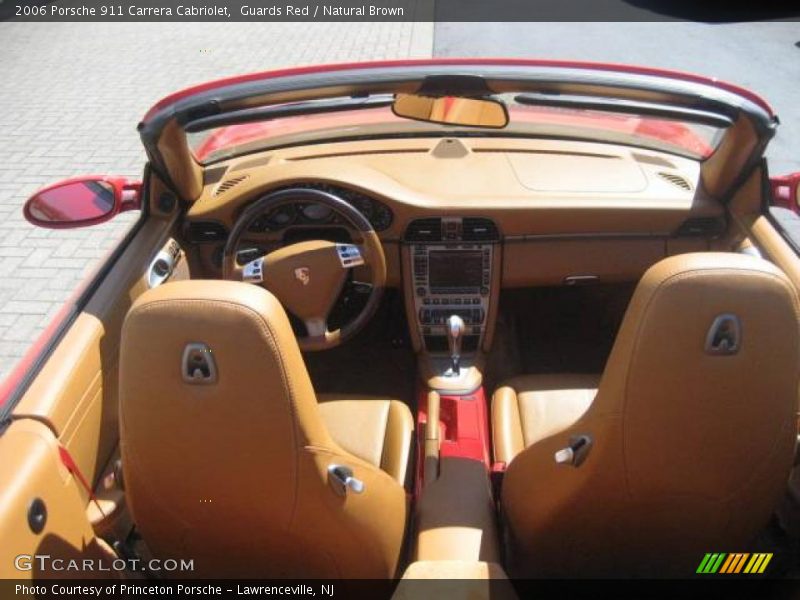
(303, 275)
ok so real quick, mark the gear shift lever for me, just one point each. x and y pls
(455, 331)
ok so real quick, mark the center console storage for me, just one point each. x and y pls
(455, 513)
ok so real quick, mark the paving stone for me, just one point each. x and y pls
(72, 95)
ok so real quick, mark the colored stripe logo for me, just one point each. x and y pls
(734, 563)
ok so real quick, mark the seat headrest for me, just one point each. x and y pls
(249, 340)
(704, 372)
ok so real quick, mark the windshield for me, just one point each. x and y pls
(678, 136)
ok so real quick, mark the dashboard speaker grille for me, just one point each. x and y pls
(424, 230)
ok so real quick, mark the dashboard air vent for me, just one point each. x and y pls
(677, 180)
(424, 230)
(479, 230)
(228, 184)
(702, 226)
(205, 231)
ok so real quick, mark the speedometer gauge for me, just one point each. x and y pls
(363, 204)
(316, 212)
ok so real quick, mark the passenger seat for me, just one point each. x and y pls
(683, 447)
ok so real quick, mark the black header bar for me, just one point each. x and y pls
(393, 10)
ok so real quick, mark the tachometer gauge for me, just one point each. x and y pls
(316, 212)
(281, 217)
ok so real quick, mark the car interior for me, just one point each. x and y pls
(445, 355)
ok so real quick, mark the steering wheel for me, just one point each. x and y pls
(307, 277)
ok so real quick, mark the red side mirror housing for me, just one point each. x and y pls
(82, 201)
(786, 191)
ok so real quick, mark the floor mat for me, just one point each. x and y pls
(564, 329)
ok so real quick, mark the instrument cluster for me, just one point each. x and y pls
(312, 214)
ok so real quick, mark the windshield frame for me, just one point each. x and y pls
(165, 141)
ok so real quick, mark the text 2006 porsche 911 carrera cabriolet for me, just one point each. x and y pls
(450, 318)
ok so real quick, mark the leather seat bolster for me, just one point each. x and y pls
(376, 430)
(397, 442)
(530, 408)
(506, 425)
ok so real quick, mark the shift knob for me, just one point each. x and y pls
(455, 332)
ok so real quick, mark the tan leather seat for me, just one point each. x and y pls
(232, 471)
(376, 430)
(691, 445)
(529, 408)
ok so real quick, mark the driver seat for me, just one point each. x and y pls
(227, 456)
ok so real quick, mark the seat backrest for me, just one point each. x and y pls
(693, 430)
(230, 468)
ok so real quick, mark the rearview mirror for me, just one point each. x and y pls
(82, 201)
(452, 110)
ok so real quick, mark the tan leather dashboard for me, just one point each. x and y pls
(543, 195)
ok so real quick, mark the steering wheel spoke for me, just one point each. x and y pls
(253, 271)
(350, 255)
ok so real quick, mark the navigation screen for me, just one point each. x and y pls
(455, 269)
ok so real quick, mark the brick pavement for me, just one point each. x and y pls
(72, 94)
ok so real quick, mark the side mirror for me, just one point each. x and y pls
(786, 191)
(82, 201)
(452, 110)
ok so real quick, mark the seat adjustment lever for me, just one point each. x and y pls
(576, 452)
(341, 479)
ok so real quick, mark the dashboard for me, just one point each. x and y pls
(461, 218)
(562, 210)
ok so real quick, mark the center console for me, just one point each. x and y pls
(451, 279)
(453, 262)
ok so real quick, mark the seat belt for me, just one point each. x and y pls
(72, 467)
(120, 547)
